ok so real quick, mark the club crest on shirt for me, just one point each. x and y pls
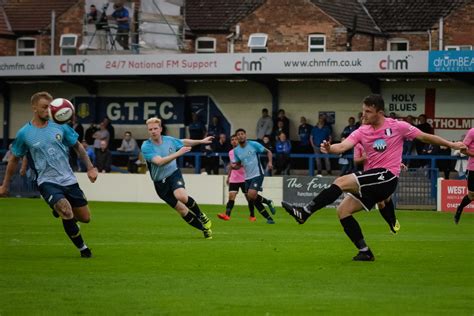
(380, 145)
(388, 131)
(58, 137)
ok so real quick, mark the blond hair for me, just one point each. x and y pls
(40, 95)
(153, 120)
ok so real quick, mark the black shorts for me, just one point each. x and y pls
(52, 193)
(256, 183)
(470, 180)
(375, 185)
(166, 187)
(235, 186)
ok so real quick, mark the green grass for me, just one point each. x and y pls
(148, 261)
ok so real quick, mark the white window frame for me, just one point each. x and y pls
(317, 47)
(397, 41)
(205, 50)
(257, 47)
(19, 50)
(458, 47)
(68, 49)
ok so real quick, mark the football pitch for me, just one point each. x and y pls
(146, 260)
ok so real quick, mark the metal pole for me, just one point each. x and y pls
(53, 30)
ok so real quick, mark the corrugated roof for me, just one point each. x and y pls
(34, 15)
(411, 15)
(217, 15)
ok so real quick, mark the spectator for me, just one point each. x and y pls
(359, 120)
(72, 153)
(345, 162)
(421, 148)
(279, 128)
(121, 15)
(93, 15)
(264, 125)
(304, 132)
(129, 146)
(111, 130)
(393, 115)
(100, 135)
(408, 144)
(103, 158)
(444, 165)
(212, 161)
(8, 154)
(320, 133)
(461, 164)
(283, 150)
(89, 135)
(215, 129)
(349, 128)
(286, 123)
(268, 144)
(90, 152)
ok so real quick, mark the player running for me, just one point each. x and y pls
(382, 139)
(236, 180)
(246, 155)
(469, 151)
(47, 146)
(160, 153)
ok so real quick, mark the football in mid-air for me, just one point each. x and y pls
(61, 110)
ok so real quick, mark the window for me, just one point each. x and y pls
(26, 46)
(317, 43)
(458, 47)
(68, 44)
(258, 43)
(398, 44)
(205, 45)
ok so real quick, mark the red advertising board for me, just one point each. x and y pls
(450, 194)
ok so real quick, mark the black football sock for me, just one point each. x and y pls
(353, 231)
(193, 220)
(465, 202)
(193, 206)
(326, 197)
(388, 213)
(229, 206)
(262, 199)
(251, 208)
(73, 232)
(261, 209)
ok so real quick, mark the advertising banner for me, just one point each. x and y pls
(451, 61)
(450, 195)
(213, 64)
(301, 190)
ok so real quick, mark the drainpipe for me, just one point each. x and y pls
(53, 30)
(429, 39)
(441, 35)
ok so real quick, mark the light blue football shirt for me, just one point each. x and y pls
(49, 149)
(249, 158)
(168, 146)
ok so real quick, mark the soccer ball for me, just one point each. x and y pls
(61, 110)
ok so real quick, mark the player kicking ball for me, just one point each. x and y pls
(382, 139)
(160, 153)
(235, 181)
(46, 144)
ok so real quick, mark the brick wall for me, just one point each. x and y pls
(459, 26)
(7, 47)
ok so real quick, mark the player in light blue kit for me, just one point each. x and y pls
(246, 155)
(46, 144)
(160, 153)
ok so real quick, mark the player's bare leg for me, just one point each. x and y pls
(465, 202)
(191, 218)
(345, 210)
(229, 206)
(64, 209)
(256, 199)
(182, 196)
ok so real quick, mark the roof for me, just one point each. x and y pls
(348, 11)
(34, 15)
(217, 15)
(417, 15)
(5, 28)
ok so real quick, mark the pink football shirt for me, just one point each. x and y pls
(236, 176)
(384, 146)
(358, 152)
(469, 142)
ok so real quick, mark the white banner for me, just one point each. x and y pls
(213, 64)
